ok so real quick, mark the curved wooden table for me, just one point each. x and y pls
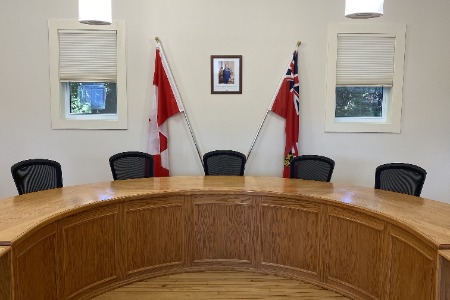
(80, 241)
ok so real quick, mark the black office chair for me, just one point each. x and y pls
(224, 162)
(35, 175)
(131, 164)
(312, 167)
(401, 178)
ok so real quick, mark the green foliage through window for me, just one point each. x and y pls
(93, 98)
(359, 101)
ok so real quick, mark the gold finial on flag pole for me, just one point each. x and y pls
(299, 43)
(157, 39)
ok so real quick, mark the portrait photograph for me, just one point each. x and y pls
(226, 74)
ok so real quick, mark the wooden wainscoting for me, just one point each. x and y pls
(444, 271)
(90, 251)
(222, 230)
(5, 273)
(356, 256)
(154, 236)
(35, 266)
(290, 237)
(363, 247)
(412, 266)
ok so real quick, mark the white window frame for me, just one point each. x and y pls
(392, 122)
(61, 119)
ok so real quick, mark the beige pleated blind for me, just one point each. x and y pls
(365, 59)
(87, 55)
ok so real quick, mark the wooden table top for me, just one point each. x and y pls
(20, 214)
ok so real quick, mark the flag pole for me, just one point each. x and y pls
(185, 116)
(271, 102)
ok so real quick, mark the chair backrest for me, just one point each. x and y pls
(35, 175)
(401, 178)
(131, 164)
(312, 167)
(224, 162)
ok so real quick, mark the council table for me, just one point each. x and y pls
(80, 241)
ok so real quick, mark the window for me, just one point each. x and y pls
(365, 77)
(87, 75)
(361, 104)
(92, 98)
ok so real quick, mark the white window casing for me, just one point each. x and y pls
(86, 53)
(366, 55)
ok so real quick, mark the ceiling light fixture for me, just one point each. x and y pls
(363, 9)
(95, 12)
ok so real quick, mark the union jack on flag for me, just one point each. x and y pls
(292, 77)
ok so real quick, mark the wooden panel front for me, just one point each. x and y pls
(356, 252)
(222, 230)
(412, 267)
(444, 272)
(5, 273)
(154, 236)
(290, 236)
(381, 246)
(35, 266)
(88, 244)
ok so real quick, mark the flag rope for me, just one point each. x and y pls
(184, 110)
(271, 103)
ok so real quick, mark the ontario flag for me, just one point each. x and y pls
(166, 103)
(286, 104)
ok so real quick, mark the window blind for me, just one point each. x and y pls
(87, 55)
(365, 59)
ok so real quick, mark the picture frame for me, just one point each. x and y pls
(226, 74)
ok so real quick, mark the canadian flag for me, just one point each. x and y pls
(166, 103)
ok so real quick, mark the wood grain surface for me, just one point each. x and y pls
(220, 285)
(78, 242)
(4, 250)
(88, 244)
(290, 236)
(21, 214)
(5, 273)
(444, 274)
(357, 248)
(34, 262)
(155, 236)
(222, 228)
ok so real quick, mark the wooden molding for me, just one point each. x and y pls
(78, 242)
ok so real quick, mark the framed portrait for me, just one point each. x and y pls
(226, 74)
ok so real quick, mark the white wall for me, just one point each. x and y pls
(264, 32)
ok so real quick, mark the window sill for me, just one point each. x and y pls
(361, 127)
